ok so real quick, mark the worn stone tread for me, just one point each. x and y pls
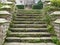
(16, 43)
(29, 38)
(29, 16)
(29, 28)
(46, 33)
(29, 24)
(19, 19)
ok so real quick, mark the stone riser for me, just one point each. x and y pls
(29, 40)
(29, 35)
(28, 30)
(27, 16)
(28, 25)
(28, 22)
(18, 43)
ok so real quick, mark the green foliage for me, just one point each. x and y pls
(54, 39)
(58, 42)
(8, 32)
(39, 5)
(49, 25)
(0, 5)
(48, 19)
(51, 8)
(47, 9)
(55, 3)
(51, 29)
(20, 6)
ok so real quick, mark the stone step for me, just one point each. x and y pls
(21, 19)
(29, 29)
(29, 34)
(29, 39)
(18, 43)
(29, 22)
(29, 25)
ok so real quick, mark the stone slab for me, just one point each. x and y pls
(56, 13)
(6, 6)
(29, 43)
(49, 3)
(3, 20)
(4, 12)
(28, 38)
(29, 33)
(7, 2)
(28, 28)
(57, 21)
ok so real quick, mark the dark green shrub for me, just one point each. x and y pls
(39, 5)
(20, 6)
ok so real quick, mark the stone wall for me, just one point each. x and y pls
(57, 27)
(3, 30)
(4, 26)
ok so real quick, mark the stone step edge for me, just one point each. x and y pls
(29, 28)
(30, 33)
(26, 38)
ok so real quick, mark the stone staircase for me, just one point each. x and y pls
(27, 29)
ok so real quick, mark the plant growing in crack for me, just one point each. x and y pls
(55, 40)
(8, 32)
